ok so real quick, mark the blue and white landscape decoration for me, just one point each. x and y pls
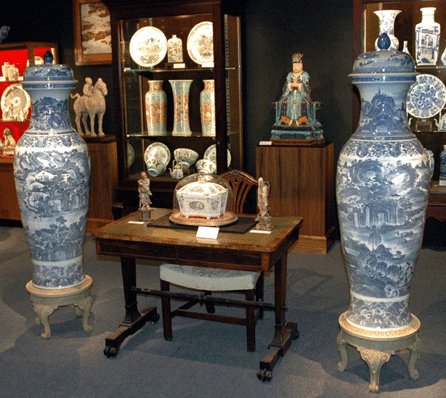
(52, 176)
(382, 187)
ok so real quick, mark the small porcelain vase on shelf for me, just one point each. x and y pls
(156, 108)
(382, 187)
(387, 25)
(180, 90)
(207, 109)
(174, 50)
(52, 178)
(427, 38)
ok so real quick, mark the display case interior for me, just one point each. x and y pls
(419, 27)
(138, 76)
(186, 97)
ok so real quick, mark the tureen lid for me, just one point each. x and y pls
(384, 60)
(48, 71)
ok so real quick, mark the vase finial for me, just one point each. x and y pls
(48, 57)
(383, 41)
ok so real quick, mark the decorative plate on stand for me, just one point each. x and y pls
(15, 103)
(226, 219)
(211, 154)
(157, 150)
(426, 97)
(200, 44)
(148, 46)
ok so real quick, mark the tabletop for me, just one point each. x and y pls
(134, 238)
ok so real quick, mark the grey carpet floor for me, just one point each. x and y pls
(207, 359)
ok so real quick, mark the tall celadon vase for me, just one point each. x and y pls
(156, 108)
(180, 90)
(382, 187)
(427, 38)
(387, 25)
(52, 178)
(207, 108)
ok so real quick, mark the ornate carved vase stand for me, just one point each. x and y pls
(52, 177)
(382, 188)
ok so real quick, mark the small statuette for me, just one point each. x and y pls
(8, 146)
(263, 218)
(144, 197)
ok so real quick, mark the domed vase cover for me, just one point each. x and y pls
(52, 177)
(382, 187)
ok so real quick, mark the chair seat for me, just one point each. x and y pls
(203, 278)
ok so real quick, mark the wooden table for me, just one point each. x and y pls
(249, 251)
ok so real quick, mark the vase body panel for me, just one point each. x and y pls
(180, 90)
(156, 108)
(207, 109)
(443, 164)
(382, 187)
(427, 38)
(52, 177)
(387, 25)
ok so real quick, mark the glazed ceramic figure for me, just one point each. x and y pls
(90, 104)
(295, 103)
(382, 187)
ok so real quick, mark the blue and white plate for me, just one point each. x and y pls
(426, 97)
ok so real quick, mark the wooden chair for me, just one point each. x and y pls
(211, 280)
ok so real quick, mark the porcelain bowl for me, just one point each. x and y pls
(206, 165)
(185, 156)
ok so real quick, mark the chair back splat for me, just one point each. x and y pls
(241, 184)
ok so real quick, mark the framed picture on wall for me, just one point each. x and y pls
(92, 33)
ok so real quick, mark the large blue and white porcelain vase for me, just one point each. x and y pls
(382, 187)
(52, 177)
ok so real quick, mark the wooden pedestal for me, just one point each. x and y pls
(9, 206)
(302, 184)
(104, 178)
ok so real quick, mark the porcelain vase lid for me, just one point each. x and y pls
(48, 72)
(384, 60)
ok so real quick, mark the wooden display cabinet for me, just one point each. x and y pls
(131, 84)
(302, 184)
(366, 30)
(20, 55)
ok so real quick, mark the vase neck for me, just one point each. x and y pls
(383, 112)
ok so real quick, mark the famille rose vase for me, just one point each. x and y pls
(156, 108)
(207, 109)
(52, 178)
(382, 187)
(180, 90)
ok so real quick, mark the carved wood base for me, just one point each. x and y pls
(376, 347)
(46, 301)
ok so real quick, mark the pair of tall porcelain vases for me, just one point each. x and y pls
(382, 188)
(52, 177)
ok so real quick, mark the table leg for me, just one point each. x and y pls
(133, 320)
(284, 332)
